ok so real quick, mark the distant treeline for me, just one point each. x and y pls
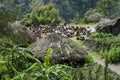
(74, 9)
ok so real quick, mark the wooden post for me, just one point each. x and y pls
(106, 66)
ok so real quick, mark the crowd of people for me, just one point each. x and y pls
(66, 31)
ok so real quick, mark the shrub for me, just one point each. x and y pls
(13, 59)
(45, 15)
(113, 55)
(45, 71)
(89, 59)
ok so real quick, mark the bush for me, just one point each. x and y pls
(27, 21)
(89, 59)
(108, 40)
(118, 35)
(13, 59)
(113, 55)
(43, 15)
(17, 63)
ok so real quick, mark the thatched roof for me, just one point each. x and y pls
(64, 49)
(21, 33)
(109, 26)
(106, 22)
(95, 17)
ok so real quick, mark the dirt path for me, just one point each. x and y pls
(113, 67)
(98, 60)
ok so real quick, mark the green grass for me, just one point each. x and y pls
(80, 43)
(95, 54)
(86, 25)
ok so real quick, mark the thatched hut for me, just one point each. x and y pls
(64, 50)
(95, 17)
(21, 34)
(109, 26)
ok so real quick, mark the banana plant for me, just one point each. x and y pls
(45, 71)
(14, 59)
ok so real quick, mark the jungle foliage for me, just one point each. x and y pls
(42, 15)
(8, 13)
(109, 45)
(71, 10)
(18, 63)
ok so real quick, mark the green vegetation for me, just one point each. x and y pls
(89, 58)
(80, 43)
(13, 59)
(109, 45)
(44, 71)
(113, 55)
(105, 6)
(106, 44)
(101, 35)
(42, 15)
(108, 39)
(18, 64)
(74, 10)
(90, 11)
(115, 10)
(90, 25)
(82, 24)
(8, 14)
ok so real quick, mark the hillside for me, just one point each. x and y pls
(73, 9)
(70, 9)
(59, 40)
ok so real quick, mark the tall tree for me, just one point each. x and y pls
(105, 6)
(116, 11)
(25, 5)
(69, 8)
(7, 12)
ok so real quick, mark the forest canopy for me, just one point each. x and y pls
(70, 11)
